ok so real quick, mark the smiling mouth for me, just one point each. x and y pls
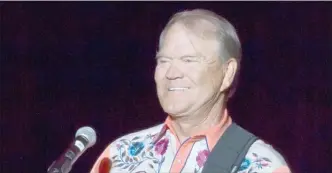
(178, 89)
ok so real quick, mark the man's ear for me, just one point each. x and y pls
(230, 68)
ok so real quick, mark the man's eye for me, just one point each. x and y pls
(189, 60)
(162, 61)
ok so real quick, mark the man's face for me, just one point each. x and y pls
(189, 72)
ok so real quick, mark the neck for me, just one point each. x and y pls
(187, 126)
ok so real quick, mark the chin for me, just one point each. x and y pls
(174, 110)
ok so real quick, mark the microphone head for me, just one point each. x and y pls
(89, 134)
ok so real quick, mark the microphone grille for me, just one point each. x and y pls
(89, 133)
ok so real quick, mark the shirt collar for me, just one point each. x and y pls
(212, 134)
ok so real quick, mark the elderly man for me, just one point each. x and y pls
(197, 64)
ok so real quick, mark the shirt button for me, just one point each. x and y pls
(179, 161)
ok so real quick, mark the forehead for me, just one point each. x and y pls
(180, 40)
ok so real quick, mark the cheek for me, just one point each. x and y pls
(158, 74)
(159, 78)
(198, 75)
(216, 81)
(207, 79)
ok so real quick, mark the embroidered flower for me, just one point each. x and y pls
(245, 164)
(135, 148)
(261, 162)
(133, 152)
(161, 146)
(202, 157)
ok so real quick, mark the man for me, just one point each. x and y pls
(197, 64)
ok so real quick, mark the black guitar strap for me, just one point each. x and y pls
(230, 150)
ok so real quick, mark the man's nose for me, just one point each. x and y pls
(174, 72)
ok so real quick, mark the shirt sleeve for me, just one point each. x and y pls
(263, 158)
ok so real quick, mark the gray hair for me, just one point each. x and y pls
(207, 24)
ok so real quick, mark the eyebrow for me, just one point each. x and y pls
(158, 56)
(181, 57)
(190, 56)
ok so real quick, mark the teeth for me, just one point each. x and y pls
(177, 89)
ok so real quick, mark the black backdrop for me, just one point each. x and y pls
(65, 65)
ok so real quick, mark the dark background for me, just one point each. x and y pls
(65, 65)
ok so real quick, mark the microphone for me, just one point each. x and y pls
(85, 138)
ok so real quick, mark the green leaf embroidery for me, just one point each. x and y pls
(135, 138)
(151, 154)
(115, 161)
(131, 167)
(151, 165)
(123, 154)
(119, 165)
(266, 159)
(155, 161)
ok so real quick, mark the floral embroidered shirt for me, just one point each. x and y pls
(157, 149)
